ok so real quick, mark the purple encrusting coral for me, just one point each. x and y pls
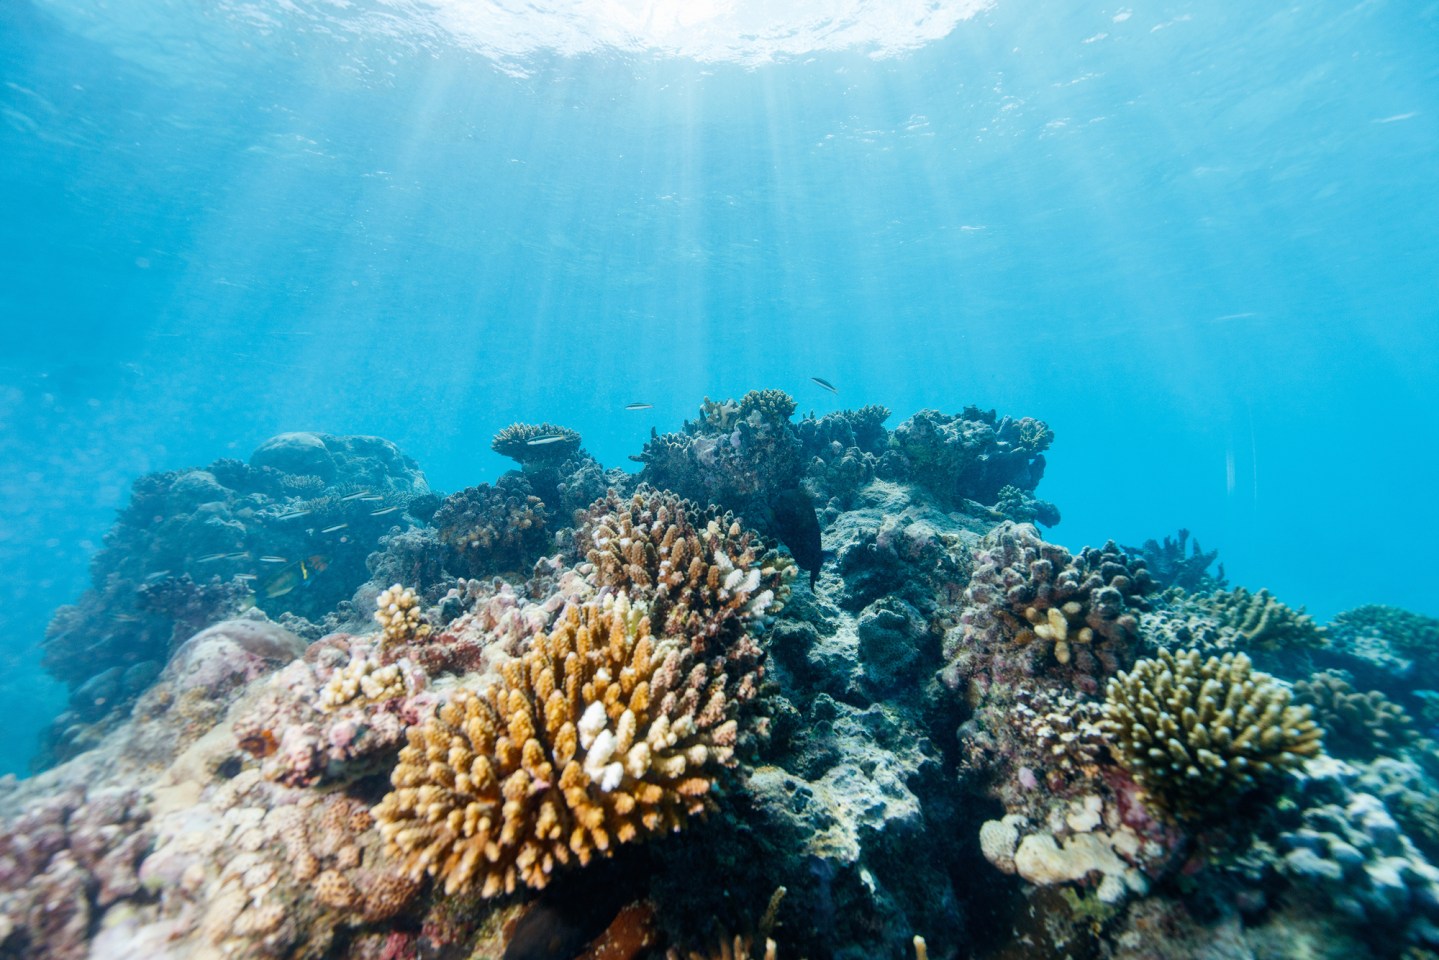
(568, 714)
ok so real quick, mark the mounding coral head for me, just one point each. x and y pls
(598, 734)
(1199, 735)
(536, 444)
(774, 406)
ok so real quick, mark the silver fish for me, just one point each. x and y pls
(381, 513)
(639, 406)
(294, 515)
(544, 439)
(274, 560)
(355, 496)
(826, 384)
(338, 526)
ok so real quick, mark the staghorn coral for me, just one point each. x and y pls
(530, 444)
(703, 576)
(493, 530)
(397, 611)
(598, 734)
(1197, 735)
(1356, 725)
(1171, 565)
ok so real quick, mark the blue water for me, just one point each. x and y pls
(1200, 240)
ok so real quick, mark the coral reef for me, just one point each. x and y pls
(288, 532)
(597, 735)
(522, 720)
(1199, 734)
(700, 575)
(1356, 725)
(972, 455)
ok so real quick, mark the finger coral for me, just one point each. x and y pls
(1197, 735)
(598, 734)
(399, 615)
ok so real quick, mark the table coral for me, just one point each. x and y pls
(1197, 735)
(598, 734)
(536, 444)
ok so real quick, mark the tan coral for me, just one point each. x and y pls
(1196, 734)
(703, 575)
(397, 611)
(598, 734)
(333, 889)
(365, 681)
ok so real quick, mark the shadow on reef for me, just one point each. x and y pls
(320, 711)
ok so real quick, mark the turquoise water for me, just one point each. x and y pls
(1199, 240)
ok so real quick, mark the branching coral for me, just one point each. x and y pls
(1197, 735)
(493, 530)
(1357, 725)
(703, 576)
(598, 734)
(1172, 565)
(398, 612)
(536, 444)
(1261, 621)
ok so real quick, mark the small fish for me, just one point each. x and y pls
(544, 439)
(283, 584)
(274, 559)
(126, 618)
(371, 498)
(355, 496)
(338, 526)
(212, 558)
(639, 406)
(158, 574)
(381, 513)
(826, 384)
(293, 515)
(246, 577)
(242, 555)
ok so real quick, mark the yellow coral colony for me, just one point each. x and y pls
(1197, 735)
(596, 735)
(398, 613)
